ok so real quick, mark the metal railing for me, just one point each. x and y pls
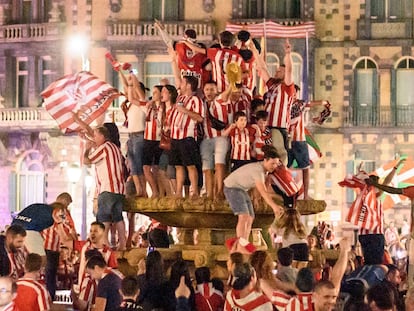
(369, 116)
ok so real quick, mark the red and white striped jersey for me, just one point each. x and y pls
(265, 138)
(108, 162)
(17, 260)
(297, 120)
(241, 142)
(182, 126)
(219, 59)
(221, 110)
(87, 291)
(32, 295)
(282, 178)
(107, 253)
(10, 307)
(285, 302)
(153, 123)
(51, 237)
(208, 298)
(278, 100)
(249, 79)
(254, 301)
(190, 63)
(243, 104)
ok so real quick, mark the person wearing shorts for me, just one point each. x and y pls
(110, 183)
(236, 187)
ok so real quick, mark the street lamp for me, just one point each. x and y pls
(78, 45)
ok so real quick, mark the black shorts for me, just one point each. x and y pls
(300, 251)
(184, 152)
(151, 152)
(300, 153)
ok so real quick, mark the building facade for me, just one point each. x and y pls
(361, 59)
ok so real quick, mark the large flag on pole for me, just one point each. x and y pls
(274, 30)
(404, 177)
(83, 92)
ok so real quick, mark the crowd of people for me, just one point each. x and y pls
(210, 130)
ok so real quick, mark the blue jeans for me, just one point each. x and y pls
(135, 146)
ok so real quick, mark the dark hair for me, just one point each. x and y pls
(392, 269)
(226, 38)
(99, 224)
(236, 258)
(179, 269)
(159, 87)
(262, 115)
(14, 230)
(64, 196)
(113, 133)
(243, 35)
(218, 284)
(256, 102)
(305, 280)
(92, 253)
(193, 81)
(96, 261)
(33, 262)
(211, 82)
(173, 92)
(202, 275)
(103, 131)
(242, 275)
(191, 33)
(270, 152)
(239, 114)
(130, 285)
(382, 294)
(285, 256)
(154, 268)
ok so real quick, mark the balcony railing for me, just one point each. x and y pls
(381, 29)
(39, 119)
(145, 31)
(368, 116)
(31, 32)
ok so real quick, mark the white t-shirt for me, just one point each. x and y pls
(246, 176)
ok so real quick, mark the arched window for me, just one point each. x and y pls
(365, 92)
(272, 62)
(28, 180)
(404, 92)
(297, 68)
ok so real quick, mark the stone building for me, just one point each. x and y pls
(361, 60)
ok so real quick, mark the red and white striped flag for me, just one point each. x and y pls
(83, 92)
(274, 30)
(366, 211)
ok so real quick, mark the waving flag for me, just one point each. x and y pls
(404, 177)
(83, 92)
(271, 29)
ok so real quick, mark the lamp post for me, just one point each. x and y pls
(78, 45)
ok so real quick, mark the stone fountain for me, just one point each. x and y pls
(214, 223)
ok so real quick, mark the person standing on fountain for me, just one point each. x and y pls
(236, 187)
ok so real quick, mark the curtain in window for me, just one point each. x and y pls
(378, 9)
(155, 71)
(405, 96)
(365, 108)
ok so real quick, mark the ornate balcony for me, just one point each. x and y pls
(38, 119)
(132, 30)
(368, 116)
(31, 32)
(373, 28)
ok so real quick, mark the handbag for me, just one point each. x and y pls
(165, 142)
(216, 123)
